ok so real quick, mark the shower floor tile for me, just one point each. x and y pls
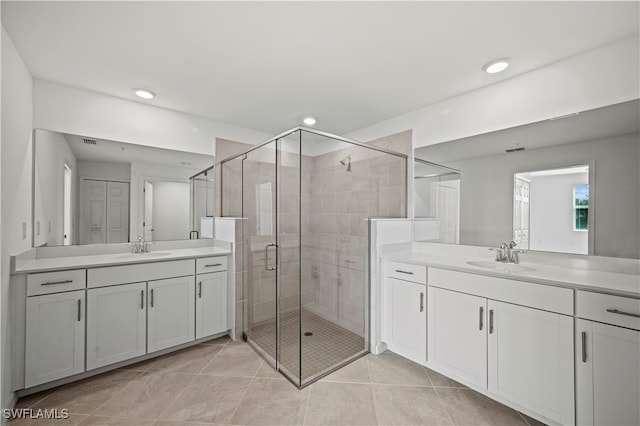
(325, 345)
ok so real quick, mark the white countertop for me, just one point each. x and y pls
(624, 284)
(112, 259)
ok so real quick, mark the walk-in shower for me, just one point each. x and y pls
(202, 204)
(306, 198)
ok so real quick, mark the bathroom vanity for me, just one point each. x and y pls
(76, 316)
(556, 337)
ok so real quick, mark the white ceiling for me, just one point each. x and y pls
(264, 65)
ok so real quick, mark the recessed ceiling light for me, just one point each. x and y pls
(309, 121)
(496, 66)
(145, 94)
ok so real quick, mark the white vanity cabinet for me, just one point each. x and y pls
(170, 312)
(211, 304)
(405, 310)
(607, 359)
(512, 338)
(116, 323)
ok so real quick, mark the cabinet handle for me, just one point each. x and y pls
(628, 314)
(266, 257)
(141, 299)
(213, 265)
(79, 310)
(57, 282)
(200, 290)
(151, 301)
(584, 346)
(404, 272)
(421, 301)
(490, 321)
(481, 318)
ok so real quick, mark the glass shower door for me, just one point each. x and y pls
(261, 249)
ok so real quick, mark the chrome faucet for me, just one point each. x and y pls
(507, 253)
(140, 247)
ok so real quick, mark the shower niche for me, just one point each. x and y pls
(306, 198)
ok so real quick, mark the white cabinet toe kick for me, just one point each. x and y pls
(560, 355)
(72, 324)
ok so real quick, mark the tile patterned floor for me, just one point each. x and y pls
(225, 382)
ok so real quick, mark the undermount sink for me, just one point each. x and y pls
(502, 267)
(144, 255)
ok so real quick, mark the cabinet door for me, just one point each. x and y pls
(170, 312)
(408, 317)
(116, 324)
(607, 374)
(211, 304)
(54, 337)
(531, 359)
(457, 335)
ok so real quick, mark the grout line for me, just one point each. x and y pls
(140, 373)
(523, 418)
(306, 406)
(211, 360)
(178, 394)
(241, 399)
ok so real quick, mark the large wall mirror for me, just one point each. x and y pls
(570, 185)
(94, 191)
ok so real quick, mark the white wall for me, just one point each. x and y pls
(107, 171)
(551, 214)
(171, 209)
(52, 153)
(106, 117)
(581, 82)
(17, 126)
(486, 192)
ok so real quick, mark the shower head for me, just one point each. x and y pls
(346, 161)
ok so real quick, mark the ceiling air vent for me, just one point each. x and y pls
(89, 141)
(514, 149)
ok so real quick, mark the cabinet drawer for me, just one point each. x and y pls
(407, 272)
(55, 282)
(211, 264)
(112, 275)
(616, 310)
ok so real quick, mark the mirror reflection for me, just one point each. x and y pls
(94, 191)
(599, 148)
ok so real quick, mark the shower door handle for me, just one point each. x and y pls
(266, 257)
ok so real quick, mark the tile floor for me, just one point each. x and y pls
(224, 382)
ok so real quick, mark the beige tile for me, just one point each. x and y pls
(29, 400)
(85, 396)
(72, 420)
(409, 405)
(357, 371)
(271, 402)
(170, 423)
(208, 399)
(104, 421)
(389, 368)
(234, 360)
(189, 360)
(145, 396)
(439, 380)
(333, 403)
(142, 365)
(268, 371)
(468, 407)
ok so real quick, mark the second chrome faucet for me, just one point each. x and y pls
(507, 253)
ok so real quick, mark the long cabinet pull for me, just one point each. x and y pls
(266, 257)
(141, 299)
(628, 314)
(211, 265)
(481, 318)
(400, 271)
(584, 346)
(57, 282)
(200, 290)
(421, 301)
(490, 321)
(151, 301)
(79, 310)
